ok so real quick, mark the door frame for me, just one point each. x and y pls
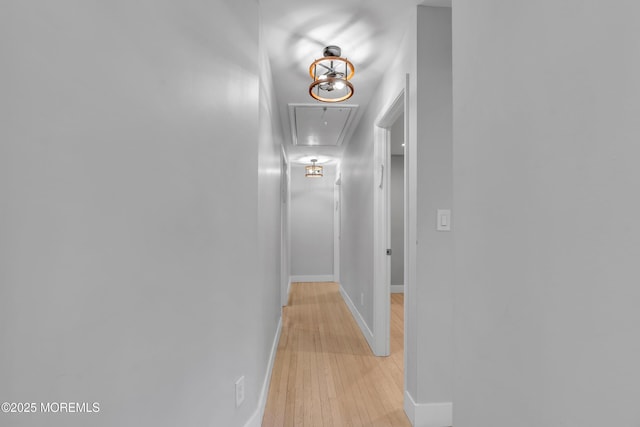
(337, 218)
(285, 228)
(381, 215)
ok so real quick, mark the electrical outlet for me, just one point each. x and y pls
(240, 391)
(361, 298)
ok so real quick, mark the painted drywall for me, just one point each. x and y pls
(546, 104)
(272, 260)
(312, 207)
(130, 197)
(396, 217)
(434, 249)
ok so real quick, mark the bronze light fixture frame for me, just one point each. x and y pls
(332, 72)
(313, 171)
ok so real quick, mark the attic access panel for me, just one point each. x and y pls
(314, 125)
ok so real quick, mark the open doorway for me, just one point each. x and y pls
(285, 242)
(396, 206)
(389, 136)
(396, 229)
(337, 209)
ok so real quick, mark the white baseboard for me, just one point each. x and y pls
(428, 414)
(397, 289)
(359, 319)
(316, 278)
(256, 418)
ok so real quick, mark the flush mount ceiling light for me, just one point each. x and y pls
(313, 171)
(331, 76)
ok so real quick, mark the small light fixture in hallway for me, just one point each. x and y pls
(313, 171)
(331, 76)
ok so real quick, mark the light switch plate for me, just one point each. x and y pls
(443, 220)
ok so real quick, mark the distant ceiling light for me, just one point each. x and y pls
(331, 76)
(313, 171)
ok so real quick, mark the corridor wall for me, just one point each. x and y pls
(133, 264)
(546, 102)
(312, 216)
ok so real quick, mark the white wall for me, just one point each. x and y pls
(434, 249)
(547, 99)
(129, 213)
(273, 262)
(396, 190)
(312, 207)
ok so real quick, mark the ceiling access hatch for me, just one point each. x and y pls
(314, 125)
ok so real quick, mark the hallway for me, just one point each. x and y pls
(325, 373)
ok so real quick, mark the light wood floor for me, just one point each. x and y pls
(325, 374)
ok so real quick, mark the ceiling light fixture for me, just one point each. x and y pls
(331, 76)
(313, 171)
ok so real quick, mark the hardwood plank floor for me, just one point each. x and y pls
(325, 374)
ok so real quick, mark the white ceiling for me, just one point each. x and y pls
(296, 32)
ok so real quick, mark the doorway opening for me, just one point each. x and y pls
(396, 205)
(396, 227)
(389, 217)
(285, 239)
